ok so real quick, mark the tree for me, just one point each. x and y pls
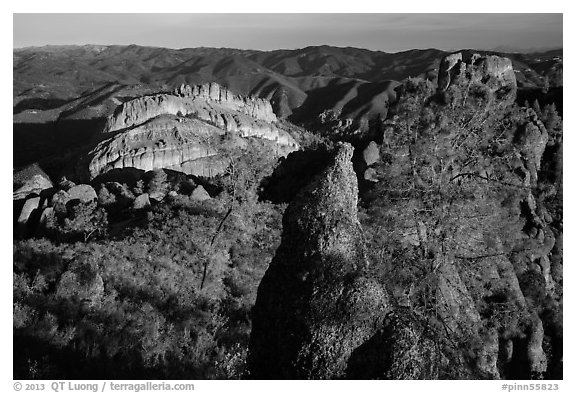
(82, 221)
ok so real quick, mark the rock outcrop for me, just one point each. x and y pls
(316, 305)
(141, 202)
(34, 185)
(82, 192)
(183, 131)
(493, 256)
(493, 73)
(30, 205)
(363, 165)
(210, 102)
(371, 154)
(531, 141)
(199, 194)
(165, 142)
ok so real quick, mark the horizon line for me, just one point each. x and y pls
(496, 49)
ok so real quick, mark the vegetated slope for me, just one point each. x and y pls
(150, 278)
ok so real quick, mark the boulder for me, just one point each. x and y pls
(157, 196)
(60, 198)
(65, 184)
(316, 304)
(29, 206)
(199, 194)
(25, 215)
(371, 154)
(141, 202)
(35, 185)
(120, 190)
(46, 215)
(370, 175)
(448, 68)
(83, 192)
(115, 194)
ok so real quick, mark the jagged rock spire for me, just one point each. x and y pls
(316, 304)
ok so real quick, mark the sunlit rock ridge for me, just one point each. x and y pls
(184, 130)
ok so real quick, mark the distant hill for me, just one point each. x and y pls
(73, 89)
(53, 74)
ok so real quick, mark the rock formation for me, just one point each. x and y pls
(491, 280)
(531, 140)
(371, 154)
(492, 255)
(82, 192)
(209, 101)
(199, 194)
(315, 304)
(183, 131)
(28, 209)
(491, 72)
(34, 185)
(141, 202)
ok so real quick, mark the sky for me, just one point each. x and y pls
(375, 31)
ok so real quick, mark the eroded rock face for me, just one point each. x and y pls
(210, 101)
(494, 73)
(183, 131)
(164, 142)
(503, 259)
(495, 286)
(316, 304)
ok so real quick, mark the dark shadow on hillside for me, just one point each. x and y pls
(292, 174)
(38, 104)
(35, 356)
(41, 142)
(367, 95)
(553, 95)
(321, 99)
